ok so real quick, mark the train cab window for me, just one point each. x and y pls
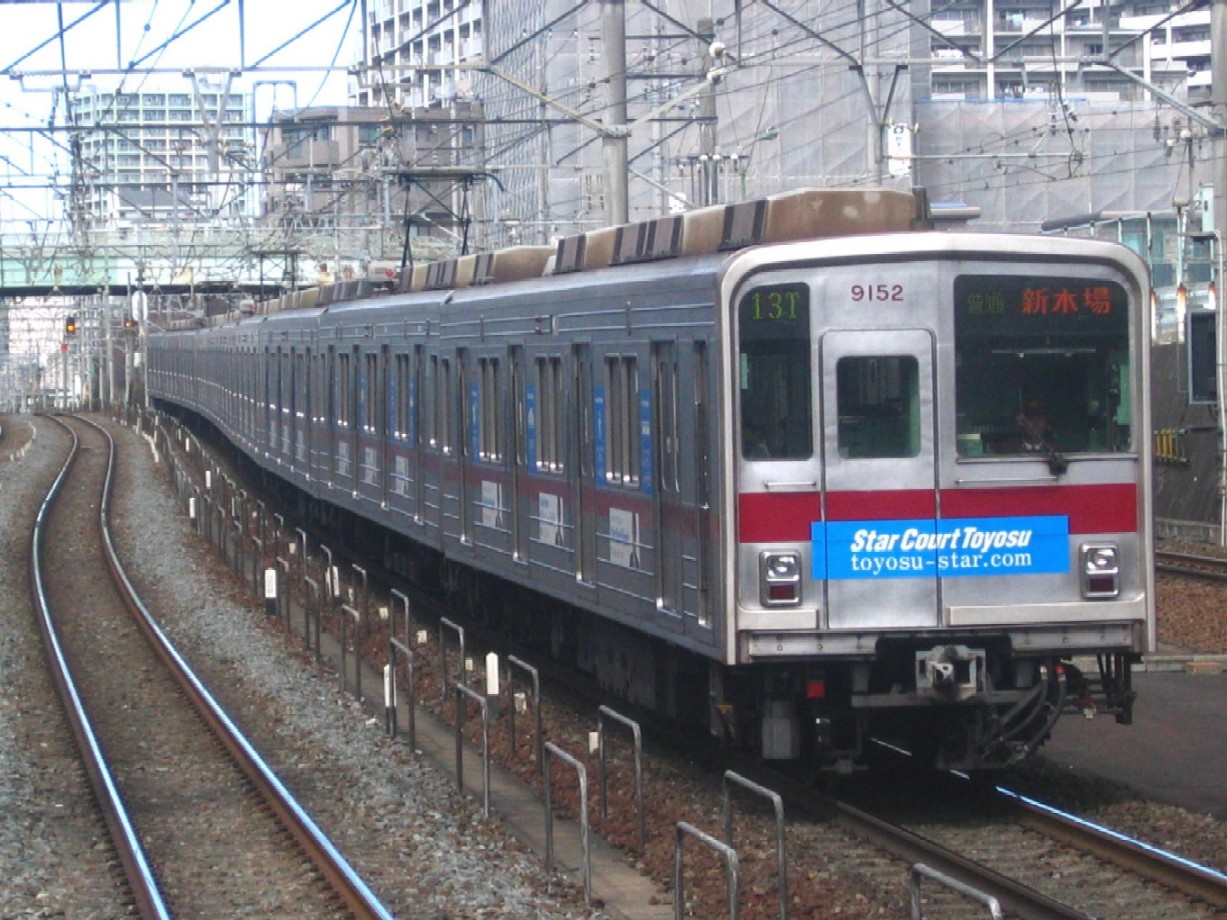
(1041, 364)
(878, 401)
(775, 385)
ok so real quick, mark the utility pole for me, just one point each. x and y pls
(709, 189)
(614, 138)
(1218, 102)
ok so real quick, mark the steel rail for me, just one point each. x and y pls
(329, 862)
(1017, 898)
(1153, 863)
(1191, 565)
(137, 870)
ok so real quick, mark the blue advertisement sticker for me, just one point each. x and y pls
(955, 548)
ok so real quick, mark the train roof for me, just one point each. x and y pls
(711, 231)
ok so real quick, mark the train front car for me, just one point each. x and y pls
(941, 534)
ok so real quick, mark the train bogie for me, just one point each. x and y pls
(861, 484)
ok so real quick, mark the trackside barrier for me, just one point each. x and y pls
(285, 597)
(389, 700)
(366, 600)
(405, 648)
(238, 561)
(261, 514)
(446, 624)
(347, 613)
(730, 869)
(257, 569)
(302, 559)
(461, 692)
(538, 735)
(311, 614)
(604, 712)
(332, 578)
(920, 871)
(730, 779)
(585, 846)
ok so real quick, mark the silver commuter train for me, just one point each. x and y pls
(803, 470)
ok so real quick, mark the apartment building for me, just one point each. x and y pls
(164, 156)
(415, 51)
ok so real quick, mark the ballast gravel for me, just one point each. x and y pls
(426, 850)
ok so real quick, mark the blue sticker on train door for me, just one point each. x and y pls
(474, 420)
(598, 431)
(645, 441)
(530, 425)
(953, 548)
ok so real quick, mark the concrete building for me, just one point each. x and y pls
(351, 182)
(157, 157)
(412, 47)
(1012, 106)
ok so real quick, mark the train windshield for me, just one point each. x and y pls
(774, 373)
(1041, 364)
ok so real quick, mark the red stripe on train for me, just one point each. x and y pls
(766, 517)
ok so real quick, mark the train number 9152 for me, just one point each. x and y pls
(892, 293)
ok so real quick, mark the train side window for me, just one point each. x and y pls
(400, 397)
(551, 408)
(343, 386)
(878, 399)
(622, 430)
(368, 379)
(775, 383)
(490, 416)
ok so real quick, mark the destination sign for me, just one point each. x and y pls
(1028, 304)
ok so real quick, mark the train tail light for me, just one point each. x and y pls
(1100, 568)
(780, 579)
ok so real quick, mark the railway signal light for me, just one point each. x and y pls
(70, 325)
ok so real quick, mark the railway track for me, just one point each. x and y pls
(1191, 565)
(190, 809)
(1035, 860)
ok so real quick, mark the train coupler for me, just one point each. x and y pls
(950, 672)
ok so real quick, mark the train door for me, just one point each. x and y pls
(466, 410)
(304, 415)
(330, 414)
(670, 511)
(518, 454)
(292, 432)
(391, 424)
(879, 480)
(285, 400)
(583, 465)
(358, 381)
(272, 387)
(701, 460)
(369, 428)
(418, 434)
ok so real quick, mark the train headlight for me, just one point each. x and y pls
(779, 579)
(1100, 569)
